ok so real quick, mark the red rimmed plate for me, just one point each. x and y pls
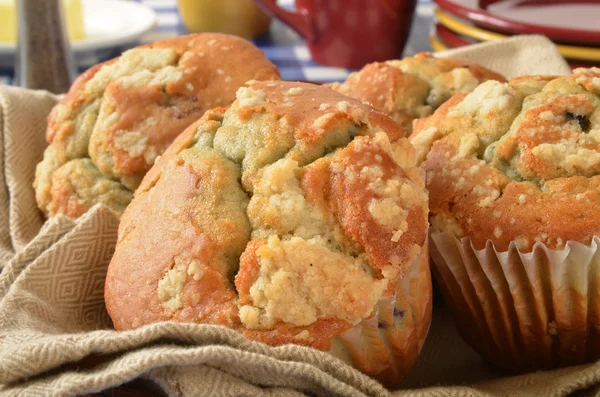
(450, 38)
(575, 21)
(579, 64)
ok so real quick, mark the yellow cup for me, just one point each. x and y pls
(8, 20)
(238, 17)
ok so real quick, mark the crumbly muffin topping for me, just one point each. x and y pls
(121, 115)
(413, 87)
(302, 280)
(322, 197)
(516, 161)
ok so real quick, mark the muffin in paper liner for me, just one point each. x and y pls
(297, 215)
(522, 311)
(513, 173)
(388, 344)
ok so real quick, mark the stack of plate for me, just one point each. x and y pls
(573, 25)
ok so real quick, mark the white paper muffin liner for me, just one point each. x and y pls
(387, 345)
(522, 311)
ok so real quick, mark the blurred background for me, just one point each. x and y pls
(328, 40)
(102, 29)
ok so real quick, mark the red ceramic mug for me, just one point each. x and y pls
(349, 33)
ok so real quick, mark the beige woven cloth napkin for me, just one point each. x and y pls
(56, 338)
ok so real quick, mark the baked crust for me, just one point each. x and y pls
(516, 162)
(124, 113)
(289, 216)
(413, 87)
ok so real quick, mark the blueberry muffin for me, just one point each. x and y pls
(119, 116)
(513, 175)
(295, 216)
(413, 87)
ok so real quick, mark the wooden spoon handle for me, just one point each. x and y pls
(44, 59)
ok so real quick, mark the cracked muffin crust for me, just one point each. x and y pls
(412, 88)
(517, 161)
(119, 116)
(513, 175)
(297, 215)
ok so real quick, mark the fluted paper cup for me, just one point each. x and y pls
(387, 344)
(522, 311)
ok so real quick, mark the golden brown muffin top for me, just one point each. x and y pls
(516, 162)
(413, 87)
(124, 113)
(288, 217)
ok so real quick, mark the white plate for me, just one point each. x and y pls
(108, 23)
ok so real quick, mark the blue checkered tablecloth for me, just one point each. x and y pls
(281, 45)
